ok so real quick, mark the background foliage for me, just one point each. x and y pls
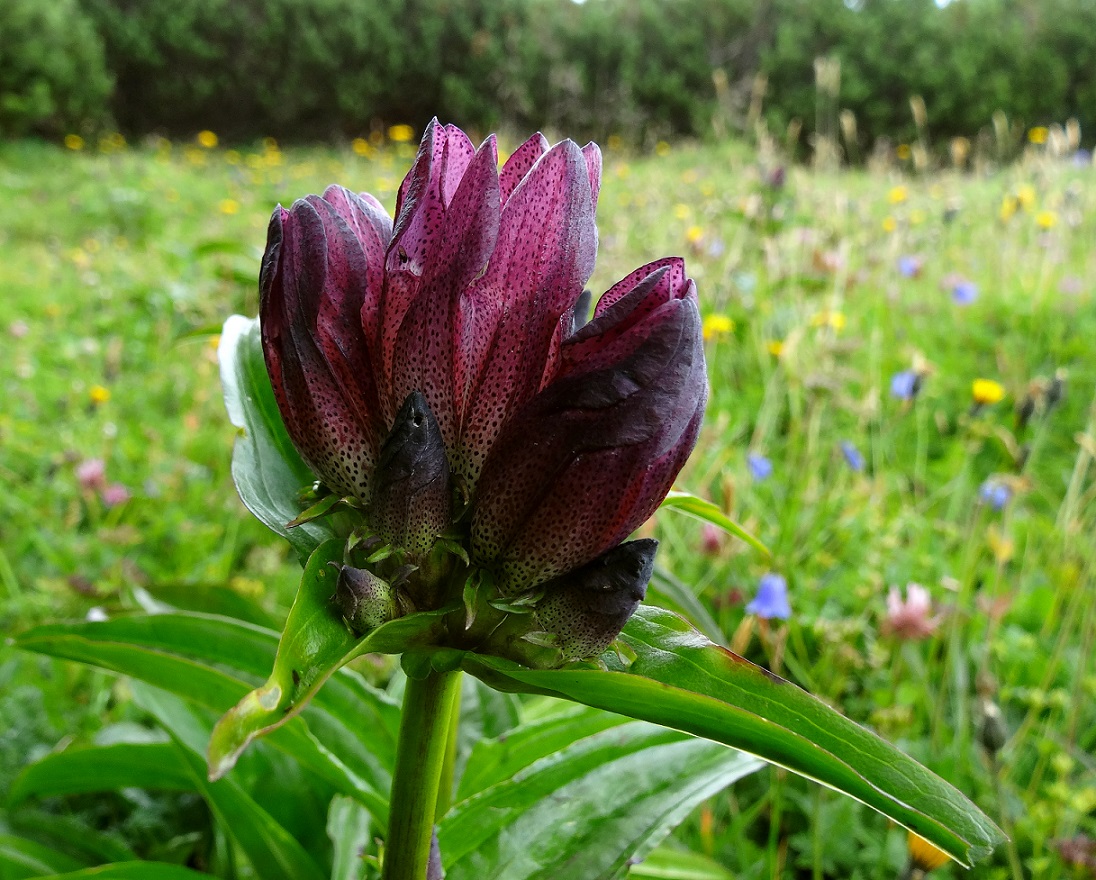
(642, 69)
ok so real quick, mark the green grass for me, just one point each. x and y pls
(117, 267)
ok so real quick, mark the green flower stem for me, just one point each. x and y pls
(420, 755)
(449, 766)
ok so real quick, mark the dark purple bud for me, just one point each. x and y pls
(364, 600)
(411, 500)
(586, 609)
(592, 456)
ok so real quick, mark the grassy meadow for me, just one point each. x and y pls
(849, 319)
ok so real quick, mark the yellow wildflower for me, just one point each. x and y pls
(923, 854)
(401, 134)
(717, 325)
(207, 139)
(834, 320)
(903, 152)
(986, 391)
(1046, 219)
(662, 148)
(681, 211)
(897, 195)
(1038, 135)
(229, 206)
(1009, 205)
(1025, 195)
(74, 142)
(99, 394)
(890, 224)
(775, 347)
(694, 234)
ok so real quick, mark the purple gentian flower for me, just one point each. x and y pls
(909, 266)
(964, 292)
(437, 356)
(905, 385)
(852, 456)
(760, 467)
(772, 598)
(995, 493)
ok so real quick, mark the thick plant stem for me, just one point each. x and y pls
(420, 755)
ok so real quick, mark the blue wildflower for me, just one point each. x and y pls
(771, 599)
(964, 292)
(905, 385)
(909, 266)
(760, 467)
(995, 493)
(852, 455)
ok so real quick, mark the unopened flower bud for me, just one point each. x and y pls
(411, 499)
(992, 732)
(586, 609)
(364, 599)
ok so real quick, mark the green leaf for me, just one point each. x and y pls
(588, 810)
(133, 871)
(20, 858)
(348, 828)
(215, 661)
(682, 680)
(315, 643)
(708, 512)
(102, 768)
(668, 591)
(268, 471)
(70, 835)
(272, 851)
(495, 760)
(666, 863)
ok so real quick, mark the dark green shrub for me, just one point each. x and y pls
(53, 77)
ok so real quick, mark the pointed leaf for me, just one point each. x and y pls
(272, 851)
(71, 835)
(708, 512)
(589, 810)
(132, 871)
(348, 828)
(214, 661)
(667, 591)
(315, 643)
(268, 471)
(682, 680)
(666, 863)
(495, 760)
(20, 858)
(102, 768)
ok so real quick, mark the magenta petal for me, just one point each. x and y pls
(545, 254)
(422, 354)
(591, 457)
(592, 153)
(372, 227)
(313, 282)
(520, 162)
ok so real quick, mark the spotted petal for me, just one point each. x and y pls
(511, 317)
(590, 458)
(316, 276)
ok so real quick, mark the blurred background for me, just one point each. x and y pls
(643, 70)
